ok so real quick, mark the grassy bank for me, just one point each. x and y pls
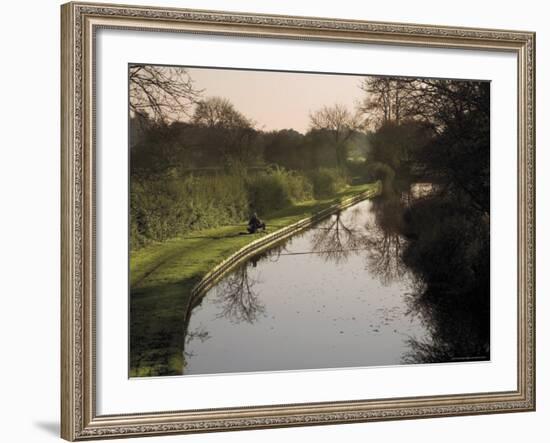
(172, 204)
(163, 274)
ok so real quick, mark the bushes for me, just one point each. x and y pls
(300, 187)
(327, 181)
(276, 189)
(170, 205)
(216, 200)
(266, 192)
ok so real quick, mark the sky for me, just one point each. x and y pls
(278, 100)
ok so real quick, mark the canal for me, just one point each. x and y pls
(335, 295)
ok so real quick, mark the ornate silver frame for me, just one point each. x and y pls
(79, 420)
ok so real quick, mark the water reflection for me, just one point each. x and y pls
(200, 334)
(449, 257)
(365, 287)
(385, 241)
(237, 298)
(336, 240)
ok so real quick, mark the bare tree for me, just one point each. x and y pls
(161, 93)
(387, 99)
(340, 123)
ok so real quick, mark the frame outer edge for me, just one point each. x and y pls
(526, 222)
(532, 199)
(534, 166)
(78, 420)
(68, 428)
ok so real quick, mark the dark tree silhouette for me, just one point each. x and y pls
(386, 100)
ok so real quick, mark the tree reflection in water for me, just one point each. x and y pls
(380, 241)
(335, 240)
(237, 297)
(239, 302)
(199, 333)
(431, 242)
(445, 247)
(456, 333)
(384, 240)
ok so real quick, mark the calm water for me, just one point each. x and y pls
(333, 296)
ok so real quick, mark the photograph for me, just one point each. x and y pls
(286, 220)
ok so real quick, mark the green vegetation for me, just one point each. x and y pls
(169, 204)
(196, 180)
(199, 168)
(326, 181)
(163, 274)
(277, 189)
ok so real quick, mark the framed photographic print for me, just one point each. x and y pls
(280, 221)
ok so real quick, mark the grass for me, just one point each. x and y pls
(162, 276)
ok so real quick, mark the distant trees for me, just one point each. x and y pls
(340, 124)
(217, 135)
(394, 152)
(229, 130)
(218, 112)
(157, 148)
(285, 148)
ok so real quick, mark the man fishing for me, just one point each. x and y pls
(254, 224)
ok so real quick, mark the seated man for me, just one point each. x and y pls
(254, 224)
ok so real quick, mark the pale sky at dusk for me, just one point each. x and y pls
(278, 100)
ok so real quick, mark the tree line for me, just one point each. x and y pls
(403, 130)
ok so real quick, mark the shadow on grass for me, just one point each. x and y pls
(157, 328)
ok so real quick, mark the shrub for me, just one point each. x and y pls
(300, 187)
(327, 182)
(277, 188)
(168, 206)
(357, 168)
(268, 191)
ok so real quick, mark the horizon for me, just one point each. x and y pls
(277, 100)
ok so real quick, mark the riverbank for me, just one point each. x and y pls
(163, 275)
